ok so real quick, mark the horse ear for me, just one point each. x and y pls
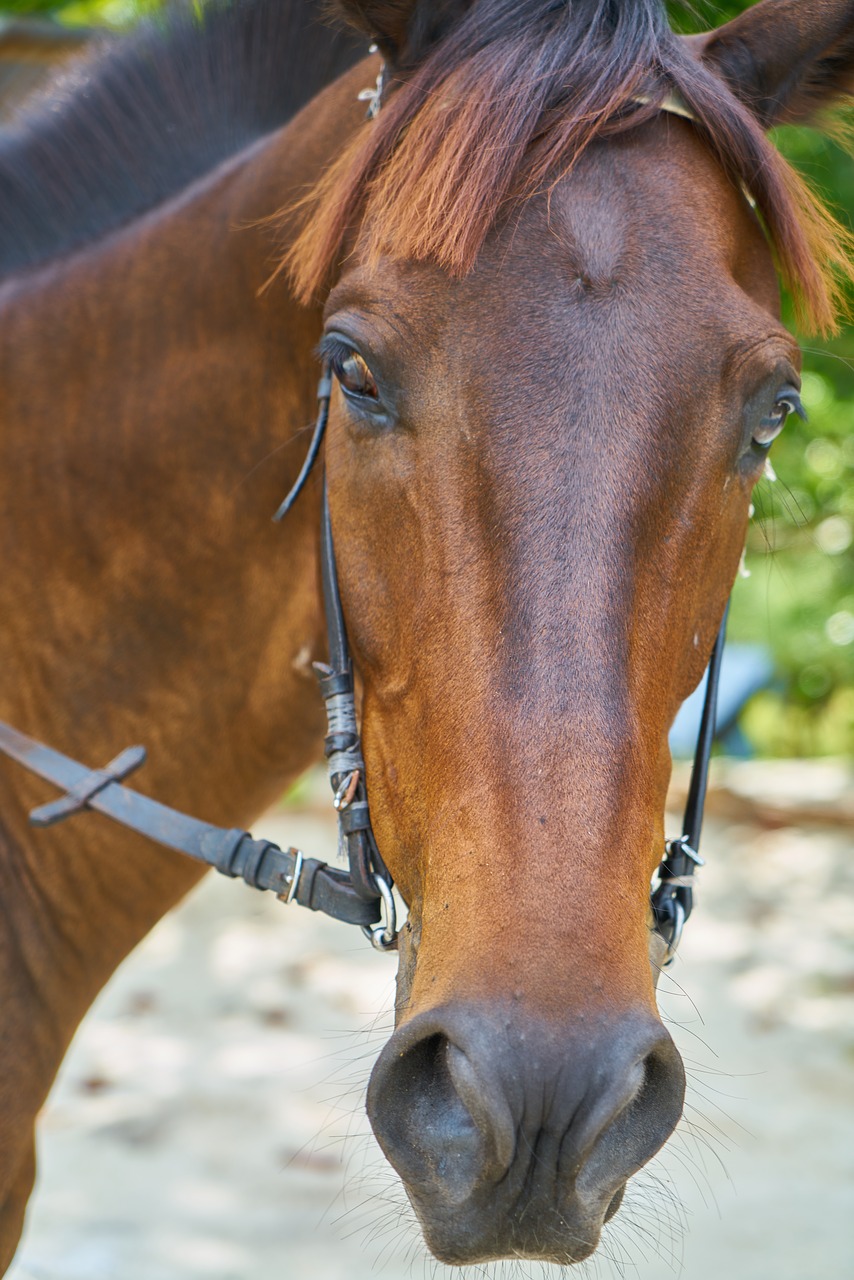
(785, 59)
(404, 29)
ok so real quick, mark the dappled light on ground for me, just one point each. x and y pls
(209, 1124)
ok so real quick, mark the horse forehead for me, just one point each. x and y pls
(642, 246)
(650, 209)
(594, 217)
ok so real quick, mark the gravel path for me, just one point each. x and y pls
(208, 1122)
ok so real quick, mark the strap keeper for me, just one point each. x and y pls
(252, 865)
(302, 885)
(220, 850)
(335, 686)
(355, 817)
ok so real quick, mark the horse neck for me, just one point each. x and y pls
(146, 595)
(156, 412)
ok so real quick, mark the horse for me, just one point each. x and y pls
(543, 270)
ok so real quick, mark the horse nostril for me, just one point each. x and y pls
(434, 1118)
(640, 1127)
(659, 1099)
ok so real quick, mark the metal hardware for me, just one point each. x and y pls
(375, 96)
(686, 849)
(383, 936)
(299, 860)
(672, 899)
(346, 790)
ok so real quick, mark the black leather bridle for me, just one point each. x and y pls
(363, 894)
(672, 898)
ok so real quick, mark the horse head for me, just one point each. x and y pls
(554, 322)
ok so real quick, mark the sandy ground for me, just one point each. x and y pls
(208, 1123)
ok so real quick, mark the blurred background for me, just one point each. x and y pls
(209, 1119)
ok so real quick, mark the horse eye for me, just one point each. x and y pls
(355, 377)
(788, 401)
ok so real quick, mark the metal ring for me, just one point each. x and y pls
(383, 936)
(676, 935)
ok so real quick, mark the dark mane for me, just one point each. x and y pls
(139, 119)
(503, 106)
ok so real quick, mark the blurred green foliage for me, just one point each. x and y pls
(799, 599)
(113, 13)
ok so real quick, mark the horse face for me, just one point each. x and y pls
(541, 476)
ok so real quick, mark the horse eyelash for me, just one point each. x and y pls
(333, 350)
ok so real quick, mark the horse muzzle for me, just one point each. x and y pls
(514, 1138)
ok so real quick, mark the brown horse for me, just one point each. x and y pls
(553, 315)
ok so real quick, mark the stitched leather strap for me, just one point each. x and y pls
(235, 853)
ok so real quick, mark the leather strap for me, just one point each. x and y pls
(673, 898)
(343, 747)
(356, 898)
(324, 394)
(234, 853)
(78, 796)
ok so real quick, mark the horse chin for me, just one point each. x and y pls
(484, 1229)
(567, 1236)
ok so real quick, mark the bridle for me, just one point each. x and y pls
(368, 875)
(363, 894)
(672, 898)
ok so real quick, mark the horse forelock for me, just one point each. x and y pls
(501, 109)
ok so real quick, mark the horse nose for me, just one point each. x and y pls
(515, 1138)
(439, 1112)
